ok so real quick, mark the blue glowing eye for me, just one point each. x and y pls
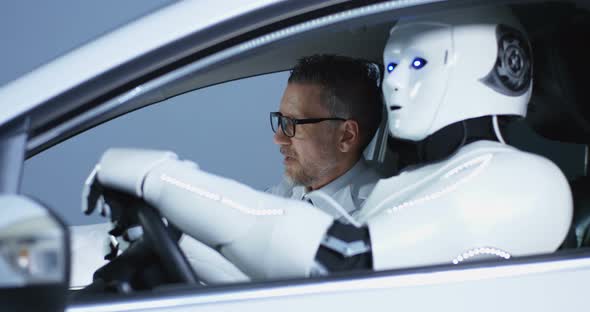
(391, 67)
(418, 63)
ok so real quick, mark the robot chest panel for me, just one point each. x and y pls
(438, 184)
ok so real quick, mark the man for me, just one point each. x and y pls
(328, 114)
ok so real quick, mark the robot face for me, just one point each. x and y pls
(417, 58)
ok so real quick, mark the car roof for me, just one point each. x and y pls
(175, 21)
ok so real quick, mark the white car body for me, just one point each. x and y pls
(186, 46)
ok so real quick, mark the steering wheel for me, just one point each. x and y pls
(160, 238)
(127, 210)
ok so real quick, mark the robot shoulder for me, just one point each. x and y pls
(496, 198)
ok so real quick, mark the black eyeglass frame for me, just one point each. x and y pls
(296, 122)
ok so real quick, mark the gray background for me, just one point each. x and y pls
(35, 32)
(209, 126)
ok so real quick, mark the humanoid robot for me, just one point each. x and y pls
(448, 76)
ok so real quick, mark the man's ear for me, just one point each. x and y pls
(349, 138)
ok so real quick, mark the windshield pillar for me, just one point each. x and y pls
(13, 142)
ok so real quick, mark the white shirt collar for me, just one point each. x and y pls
(343, 180)
(349, 191)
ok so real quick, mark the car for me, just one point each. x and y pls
(193, 46)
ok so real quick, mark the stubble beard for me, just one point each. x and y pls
(310, 174)
(298, 176)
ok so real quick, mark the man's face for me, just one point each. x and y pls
(312, 153)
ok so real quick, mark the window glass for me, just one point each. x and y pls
(224, 128)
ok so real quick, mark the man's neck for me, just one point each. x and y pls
(334, 174)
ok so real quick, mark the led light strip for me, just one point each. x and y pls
(330, 19)
(481, 252)
(216, 197)
(482, 161)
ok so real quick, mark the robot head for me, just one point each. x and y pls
(444, 68)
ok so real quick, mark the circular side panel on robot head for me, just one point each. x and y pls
(512, 71)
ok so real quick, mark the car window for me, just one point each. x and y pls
(224, 128)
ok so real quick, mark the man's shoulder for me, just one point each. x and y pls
(364, 181)
(368, 176)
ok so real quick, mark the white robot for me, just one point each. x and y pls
(477, 198)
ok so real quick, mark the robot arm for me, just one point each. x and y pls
(263, 235)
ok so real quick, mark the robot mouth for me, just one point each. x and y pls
(394, 107)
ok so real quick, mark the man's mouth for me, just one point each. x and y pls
(394, 107)
(289, 161)
(288, 155)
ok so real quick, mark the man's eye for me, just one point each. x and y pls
(418, 63)
(391, 67)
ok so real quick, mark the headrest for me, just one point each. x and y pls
(560, 104)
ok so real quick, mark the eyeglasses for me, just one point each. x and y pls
(288, 124)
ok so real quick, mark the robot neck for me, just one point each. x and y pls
(448, 140)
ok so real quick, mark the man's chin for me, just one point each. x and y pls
(292, 176)
(296, 177)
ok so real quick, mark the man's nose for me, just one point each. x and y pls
(280, 138)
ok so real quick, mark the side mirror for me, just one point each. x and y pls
(34, 256)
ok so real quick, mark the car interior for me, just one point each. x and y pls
(558, 109)
(557, 125)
